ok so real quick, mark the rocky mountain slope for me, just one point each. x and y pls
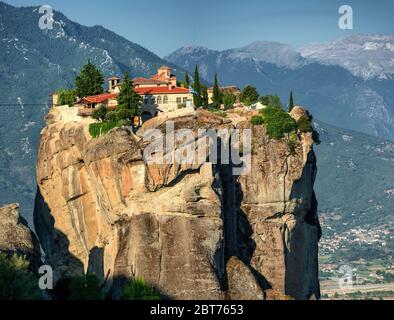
(334, 88)
(34, 63)
(193, 231)
(365, 56)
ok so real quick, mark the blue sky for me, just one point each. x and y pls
(165, 25)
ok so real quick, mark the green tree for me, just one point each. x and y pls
(186, 82)
(204, 96)
(257, 120)
(110, 116)
(291, 102)
(278, 122)
(67, 97)
(228, 99)
(249, 95)
(138, 289)
(90, 81)
(16, 281)
(100, 113)
(129, 101)
(271, 101)
(197, 99)
(216, 94)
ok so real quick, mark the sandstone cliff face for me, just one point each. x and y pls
(100, 208)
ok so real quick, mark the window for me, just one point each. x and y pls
(159, 100)
(178, 100)
(184, 100)
(152, 100)
(146, 100)
(165, 100)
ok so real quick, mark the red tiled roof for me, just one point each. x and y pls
(100, 98)
(141, 80)
(114, 78)
(161, 90)
(142, 91)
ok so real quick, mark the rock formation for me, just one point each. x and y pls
(16, 237)
(194, 231)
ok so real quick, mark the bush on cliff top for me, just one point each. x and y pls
(278, 122)
(257, 120)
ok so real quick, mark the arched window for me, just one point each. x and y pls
(152, 100)
(165, 100)
(159, 100)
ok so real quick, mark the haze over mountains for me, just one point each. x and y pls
(343, 93)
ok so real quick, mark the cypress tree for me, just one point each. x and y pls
(197, 88)
(90, 81)
(217, 95)
(204, 96)
(129, 101)
(186, 82)
(291, 102)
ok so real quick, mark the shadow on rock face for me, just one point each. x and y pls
(54, 243)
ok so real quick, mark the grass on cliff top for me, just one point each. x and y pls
(101, 128)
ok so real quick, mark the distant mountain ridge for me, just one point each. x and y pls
(331, 90)
(365, 56)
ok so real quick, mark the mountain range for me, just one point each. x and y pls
(346, 83)
(350, 102)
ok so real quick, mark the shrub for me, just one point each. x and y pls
(221, 113)
(271, 101)
(66, 97)
(138, 289)
(78, 288)
(278, 122)
(100, 113)
(228, 99)
(98, 129)
(16, 281)
(110, 116)
(249, 95)
(257, 120)
(124, 114)
(304, 124)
